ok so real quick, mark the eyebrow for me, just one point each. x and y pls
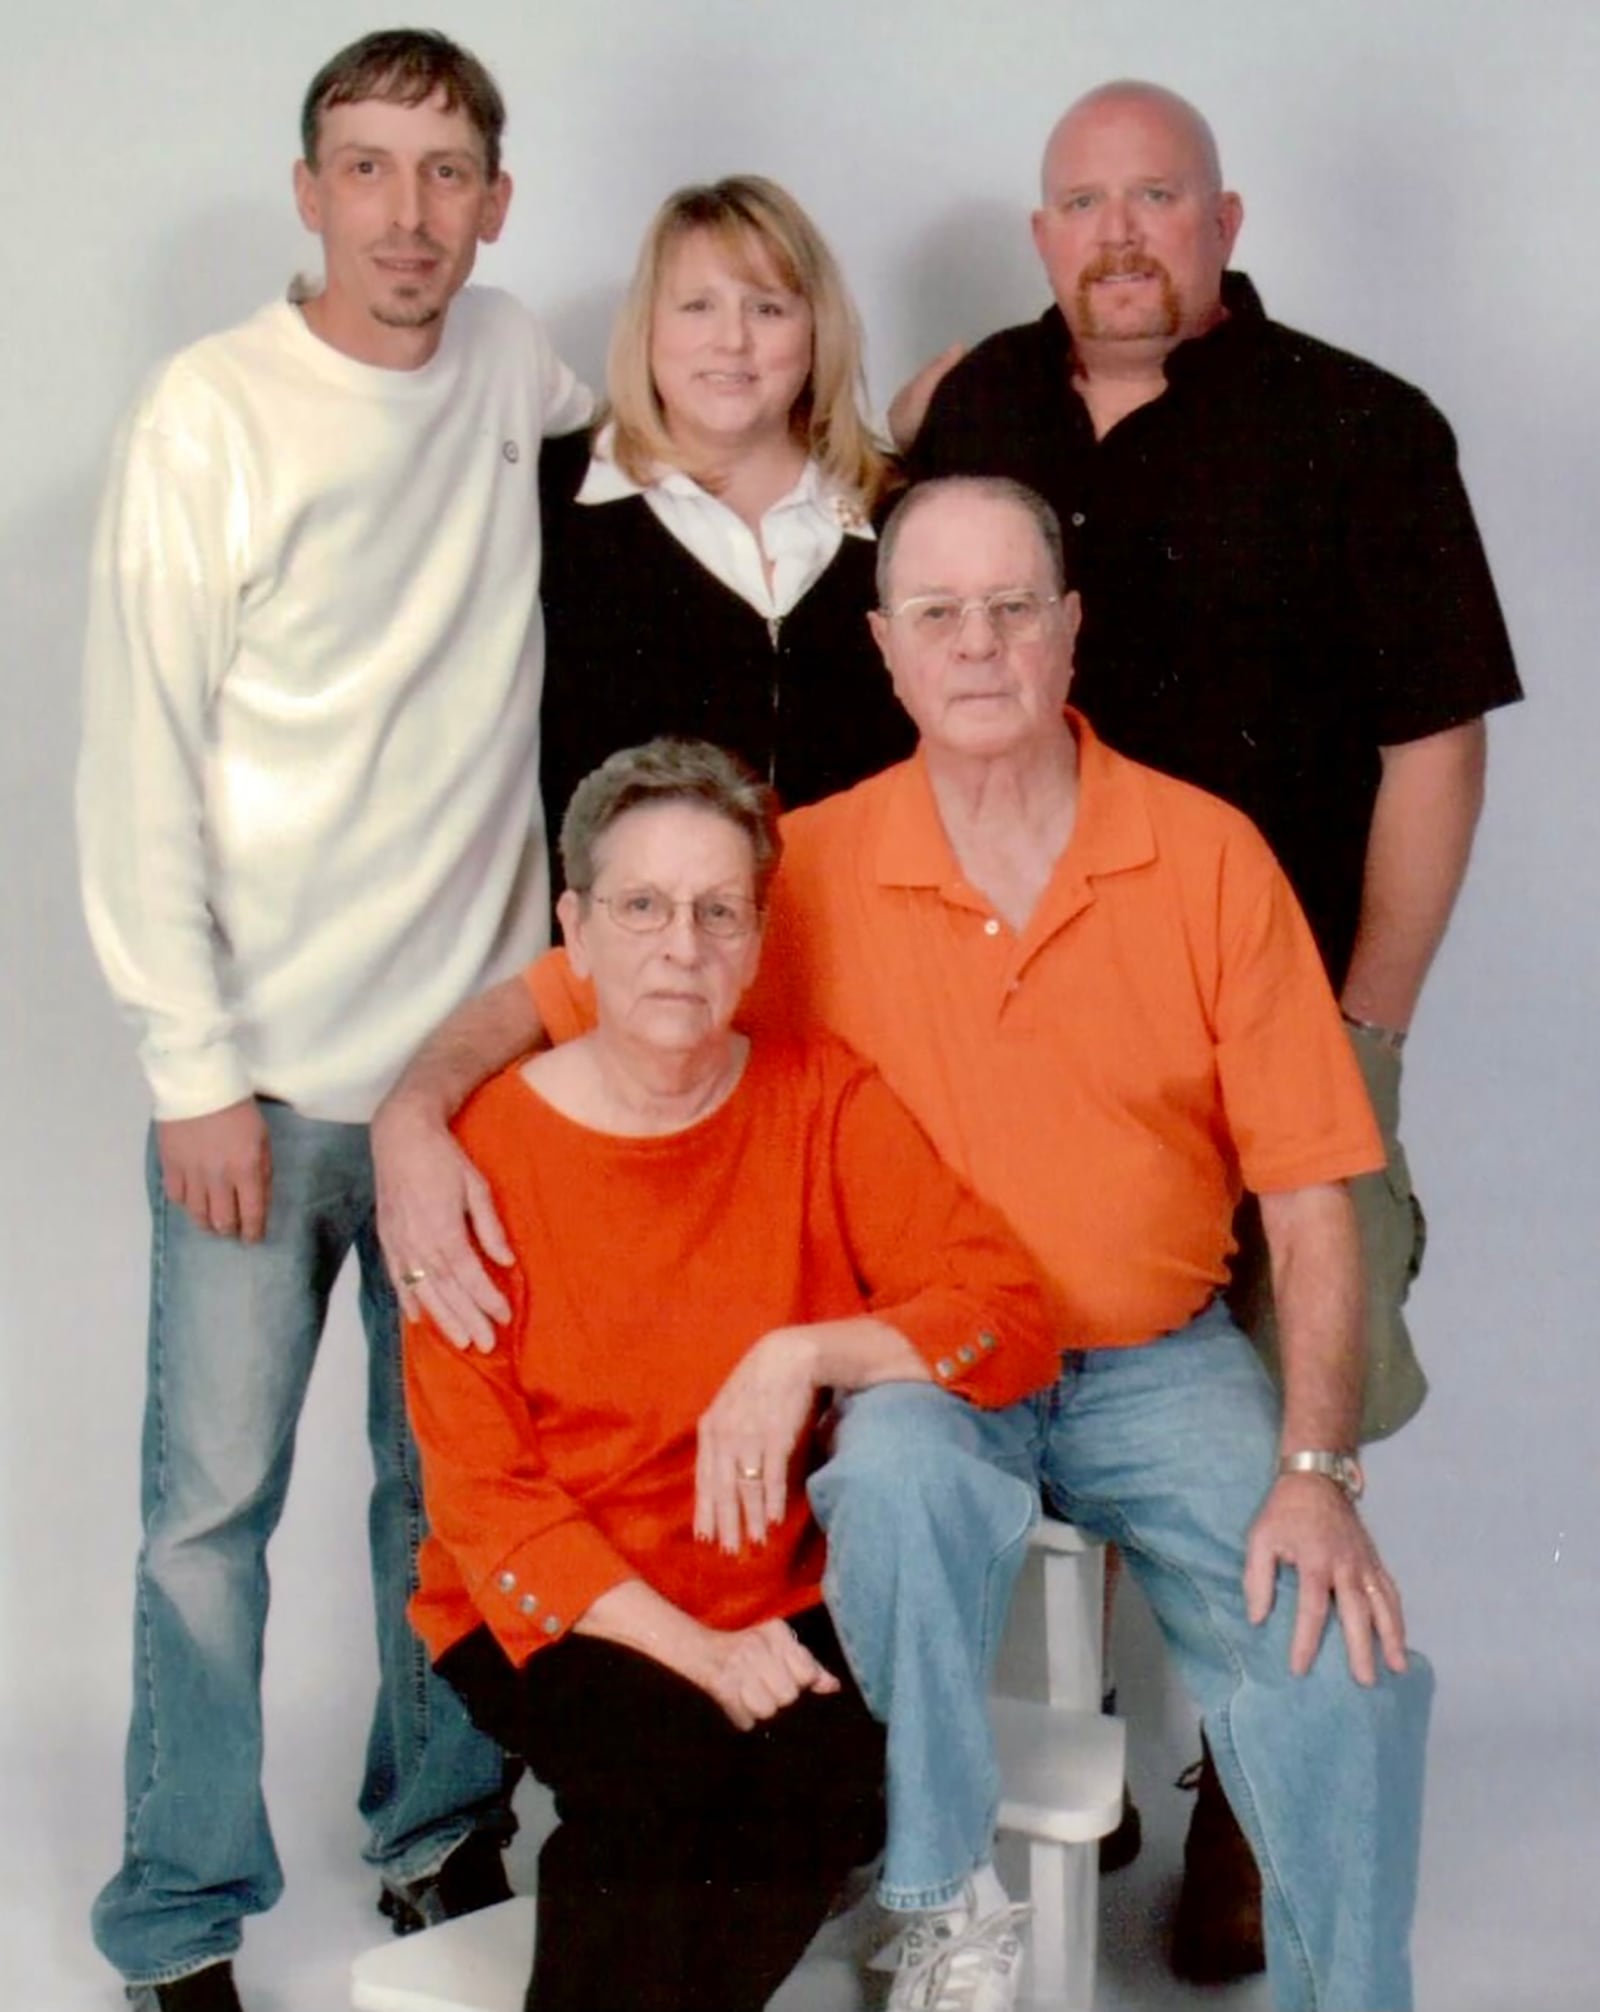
(1174, 180)
(387, 153)
(955, 594)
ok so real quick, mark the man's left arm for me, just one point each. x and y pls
(1308, 1521)
(1429, 798)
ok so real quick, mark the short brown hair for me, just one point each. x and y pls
(752, 219)
(406, 66)
(669, 770)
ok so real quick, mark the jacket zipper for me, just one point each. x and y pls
(774, 628)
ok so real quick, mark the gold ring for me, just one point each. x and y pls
(749, 1473)
(1371, 1588)
(413, 1277)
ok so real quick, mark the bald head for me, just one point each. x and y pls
(1190, 133)
(1134, 225)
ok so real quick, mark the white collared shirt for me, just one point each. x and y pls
(800, 534)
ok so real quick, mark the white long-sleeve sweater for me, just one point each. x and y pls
(308, 796)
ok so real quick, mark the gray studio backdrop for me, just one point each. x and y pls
(1419, 178)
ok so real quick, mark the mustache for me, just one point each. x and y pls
(410, 245)
(1122, 265)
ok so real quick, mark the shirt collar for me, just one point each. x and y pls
(605, 482)
(1111, 833)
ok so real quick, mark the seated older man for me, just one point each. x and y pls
(1094, 988)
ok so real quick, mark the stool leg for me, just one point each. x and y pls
(1062, 1886)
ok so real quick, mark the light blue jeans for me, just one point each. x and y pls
(1168, 1449)
(234, 1330)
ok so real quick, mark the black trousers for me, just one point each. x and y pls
(692, 1862)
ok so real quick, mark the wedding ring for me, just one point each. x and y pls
(413, 1277)
(749, 1473)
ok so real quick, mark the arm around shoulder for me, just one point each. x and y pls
(435, 1210)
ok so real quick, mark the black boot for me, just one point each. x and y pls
(473, 1876)
(1216, 1936)
(208, 1990)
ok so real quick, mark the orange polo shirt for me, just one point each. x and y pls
(1160, 1034)
(563, 1462)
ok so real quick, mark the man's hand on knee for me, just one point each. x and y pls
(218, 1169)
(1307, 1523)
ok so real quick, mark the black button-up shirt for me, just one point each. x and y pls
(1279, 567)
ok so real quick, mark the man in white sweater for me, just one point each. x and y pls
(309, 823)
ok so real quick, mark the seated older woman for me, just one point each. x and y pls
(624, 1582)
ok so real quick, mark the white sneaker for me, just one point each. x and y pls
(950, 1962)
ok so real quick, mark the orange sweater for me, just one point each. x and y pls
(563, 1462)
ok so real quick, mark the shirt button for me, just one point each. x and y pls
(551, 1624)
(1078, 519)
(986, 1341)
(991, 927)
(528, 1604)
(507, 1582)
(945, 1366)
(965, 1354)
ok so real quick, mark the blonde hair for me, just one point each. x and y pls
(756, 223)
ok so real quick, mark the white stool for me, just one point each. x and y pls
(1061, 1760)
(1061, 1766)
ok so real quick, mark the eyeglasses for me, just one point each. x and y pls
(646, 911)
(1016, 614)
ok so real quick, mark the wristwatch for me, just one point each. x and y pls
(1343, 1469)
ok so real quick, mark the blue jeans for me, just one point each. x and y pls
(234, 1330)
(1168, 1449)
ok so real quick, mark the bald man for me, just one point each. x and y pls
(1285, 601)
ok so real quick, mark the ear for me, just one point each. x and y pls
(1036, 224)
(497, 200)
(306, 197)
(1072, 621)
(751, 962)
(1230, 216)
(878, 623)
(569, 913)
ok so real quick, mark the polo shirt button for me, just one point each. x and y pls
(1078, 519)
(507, 1582)
(991, 927)
(528, 1604)
(967, 1355)
(986, 1341)
(945, 1366)
(551, 1624)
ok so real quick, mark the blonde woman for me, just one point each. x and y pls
(713, 572)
